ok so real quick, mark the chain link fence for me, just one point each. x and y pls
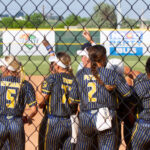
(122, 26)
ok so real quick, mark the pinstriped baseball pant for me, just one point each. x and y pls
(6, 145)
(58, 132)
(91, 139)
(140, 139)
(13, 130)
(42, 132)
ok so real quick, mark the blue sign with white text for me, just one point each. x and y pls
(126, 43)
(126, 51)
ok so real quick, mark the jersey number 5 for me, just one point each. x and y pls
(92, 85)
(10, 96)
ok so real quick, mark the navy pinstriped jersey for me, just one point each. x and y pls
(9, 91)
(58, 86)
(142, 88)
(92, 94)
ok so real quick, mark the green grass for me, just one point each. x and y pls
(39, 65)
(35, 65)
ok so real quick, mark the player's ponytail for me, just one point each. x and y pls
(22, 76)
(97, 54)
(95, 72)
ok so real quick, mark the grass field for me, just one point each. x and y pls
(39, 65)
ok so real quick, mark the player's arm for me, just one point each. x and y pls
(74, 93)
(87, 36)
(28, 118)
(48, 47)
(42, 100)
(45, 91)
(130, 75)
(31, 101)
(122, 86)
(51, 53)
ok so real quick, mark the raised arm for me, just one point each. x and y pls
(48, 47)
(87, 36)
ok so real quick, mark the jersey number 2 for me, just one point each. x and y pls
(92, 85)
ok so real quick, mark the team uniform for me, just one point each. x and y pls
(13, 100)
(59, 109)
(126, 112)
(6, 146)
(141, 133)
(93, 96)
(42, 129)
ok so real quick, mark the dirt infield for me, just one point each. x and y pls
(31, 131)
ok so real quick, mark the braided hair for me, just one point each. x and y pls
(97, 54)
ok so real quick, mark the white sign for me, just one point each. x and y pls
(125, 42)
(26, 42)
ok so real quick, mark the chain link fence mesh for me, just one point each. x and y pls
(120, 25)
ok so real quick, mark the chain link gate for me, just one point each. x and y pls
(119, 25)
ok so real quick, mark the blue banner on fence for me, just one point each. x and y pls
(126, 51)
(126, 42)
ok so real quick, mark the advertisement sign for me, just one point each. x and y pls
(120, 43)
(26, 42)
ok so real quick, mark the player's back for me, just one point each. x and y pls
(141, 87)
(59, 88)
(94, 95)
(13, 96)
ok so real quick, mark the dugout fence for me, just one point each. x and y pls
(116, 24)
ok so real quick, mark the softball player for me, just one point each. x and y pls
(15, 94)
(141, 133)
(96, 101)
(55, 93)
(42, 129)
(126, 111)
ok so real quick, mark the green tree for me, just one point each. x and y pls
(7, 22)
(35, 19)
(129, 23)
(103, 17)
(10, 22)
(71, 20)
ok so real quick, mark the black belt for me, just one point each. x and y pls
(52, 116)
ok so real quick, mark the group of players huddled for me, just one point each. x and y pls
(82, 111)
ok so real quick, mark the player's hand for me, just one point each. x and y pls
(45, 42)
(27, 119)
(87, 35)
(41, 105)
(110, 87)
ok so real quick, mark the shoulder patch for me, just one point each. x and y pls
(44, 84)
